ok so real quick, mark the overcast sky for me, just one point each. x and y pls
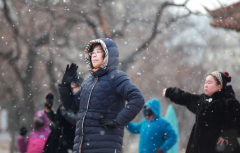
(197, 5)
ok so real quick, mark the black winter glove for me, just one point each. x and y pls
(69, 74)
(23, 131)
(111, 123)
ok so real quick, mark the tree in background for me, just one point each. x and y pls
(38, 38)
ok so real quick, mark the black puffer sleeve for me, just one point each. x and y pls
(181, 97)
(69, 100)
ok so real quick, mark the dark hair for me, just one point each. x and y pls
(77, 80)
(50, 96)
(94, 46)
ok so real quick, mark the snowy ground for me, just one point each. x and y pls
(4, 142)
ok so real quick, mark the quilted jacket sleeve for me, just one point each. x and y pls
(128, 91)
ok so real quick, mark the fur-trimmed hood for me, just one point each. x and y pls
(111, 58)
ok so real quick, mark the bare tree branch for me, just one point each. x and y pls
(120, 33)
(153, 34)
(103, 21)
(50, 63)
(91, 24)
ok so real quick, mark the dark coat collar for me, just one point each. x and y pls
(225, 93)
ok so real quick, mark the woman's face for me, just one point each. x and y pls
(211, 86)
(97, 56)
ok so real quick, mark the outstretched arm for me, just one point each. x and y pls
(134, 127)
(181, 97)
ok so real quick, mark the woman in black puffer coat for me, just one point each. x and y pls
(217, 113)
(102, 113)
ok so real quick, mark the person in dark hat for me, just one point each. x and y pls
(217, 111)
(62, 124)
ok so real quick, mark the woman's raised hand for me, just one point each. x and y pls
(69, 74)
(164, 92)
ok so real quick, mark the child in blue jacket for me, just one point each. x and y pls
(156, 134)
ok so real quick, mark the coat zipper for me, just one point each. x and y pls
(80, 145)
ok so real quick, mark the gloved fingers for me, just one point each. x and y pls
(72, 67)
(101, 122)
(104, 120)
(76, 68)
(74, 75)
(67, 68)
(101, 117)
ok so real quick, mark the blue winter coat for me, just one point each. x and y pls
(102, 95)
(155, 134)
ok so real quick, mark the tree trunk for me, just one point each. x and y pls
(13, 124)
(13, 147)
